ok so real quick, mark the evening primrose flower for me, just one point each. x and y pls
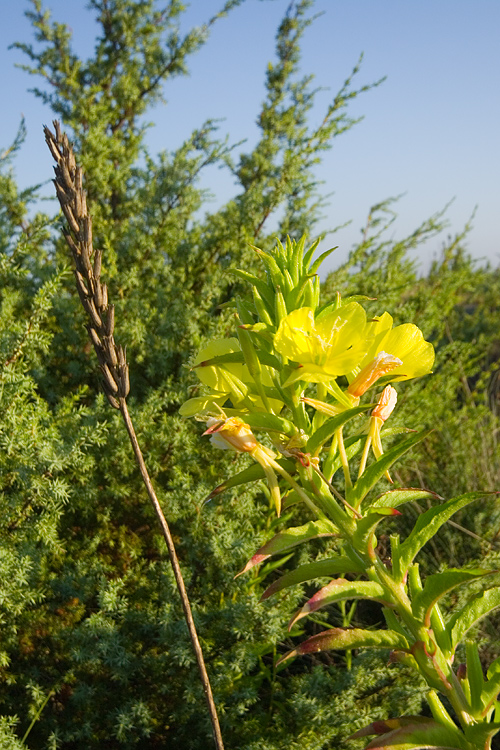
(325, 347)
(400, 352)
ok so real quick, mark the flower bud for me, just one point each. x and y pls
(386, 403)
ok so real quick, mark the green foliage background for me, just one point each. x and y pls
(88, 605)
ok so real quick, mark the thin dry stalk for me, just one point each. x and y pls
(112, 358)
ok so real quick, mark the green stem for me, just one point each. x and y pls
(344, 459)
(444, 674)
(328, 464)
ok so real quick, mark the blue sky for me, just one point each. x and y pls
(430, 131)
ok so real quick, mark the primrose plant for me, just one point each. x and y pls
(284, 390)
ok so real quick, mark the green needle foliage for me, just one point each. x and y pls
(88, 604)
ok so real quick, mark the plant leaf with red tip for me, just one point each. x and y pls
(418, 733)
(385, 726)
(338, 638)
(338, 590)
(436, 586)
(329, 567)
(290, 538)
(429, 523)
(393, 498)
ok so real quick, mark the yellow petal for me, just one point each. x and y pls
(330, 346)
(218, 377)
(407, 342)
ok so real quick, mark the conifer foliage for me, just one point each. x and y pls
(93, 649)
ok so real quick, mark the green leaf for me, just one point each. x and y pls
(429, 523)
(416, 736)
(290, 538)
(490, 691)
(320, 260)
(328, 567)
(331, 426)
(480, 735)
(251, 474)
(338, 638)
(473, 611)
(309, 254)
(338, 590)
(393, 498)
(437, 585)
(375, 472)
(365, 528)
(412, 733)
(475, 676)
(238, 357)
(264, 291)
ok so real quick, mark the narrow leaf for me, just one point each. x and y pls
(421, 737)
(251, 474)
(338, 638)
(393, 498)
(439, 584)
(339, 590)
(320, 260)
(238, 357)
(476, 609)
(331, 426)
(264, 291)
(328, 567)
(290, 538)
(388, 725)
(309, 254)
(429, 523)
(375, 472)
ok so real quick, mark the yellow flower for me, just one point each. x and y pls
(326, 347)
(401, 351)
(229, 380)
(221, 377)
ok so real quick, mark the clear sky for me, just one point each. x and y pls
(430, 131)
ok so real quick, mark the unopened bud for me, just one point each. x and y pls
(386, 403)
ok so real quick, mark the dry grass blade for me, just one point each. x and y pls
(112, 358)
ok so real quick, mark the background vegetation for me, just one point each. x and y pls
(88, 606)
